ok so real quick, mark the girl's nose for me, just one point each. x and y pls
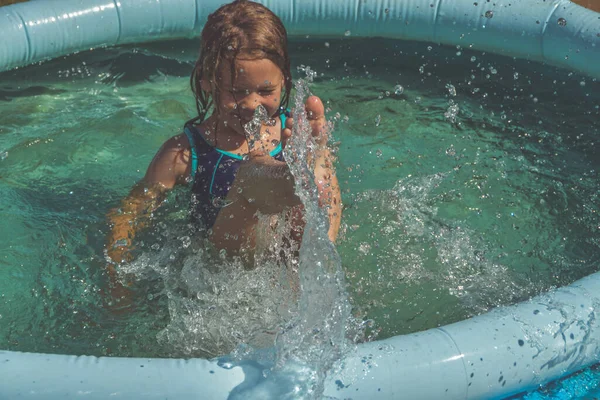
(250, 102)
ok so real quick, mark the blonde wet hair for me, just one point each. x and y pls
(241, 30)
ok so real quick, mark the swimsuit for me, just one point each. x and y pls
(213, 172)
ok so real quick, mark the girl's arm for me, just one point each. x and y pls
(263, 185)
(170, 166)
(329, 190)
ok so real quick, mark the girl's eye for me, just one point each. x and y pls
(245, 92)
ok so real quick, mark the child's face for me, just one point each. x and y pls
(258, 82)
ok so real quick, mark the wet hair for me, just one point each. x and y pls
(241, 30)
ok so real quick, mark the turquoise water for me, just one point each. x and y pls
(469, 181)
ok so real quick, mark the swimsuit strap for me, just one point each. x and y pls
(189, 132)
(190, 137)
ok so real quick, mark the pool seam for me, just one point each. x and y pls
(117, 3)
(459, 353)
(26, 29)
(545, 26)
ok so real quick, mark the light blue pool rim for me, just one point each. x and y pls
(506, 351)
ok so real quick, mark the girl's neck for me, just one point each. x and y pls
(219, 135)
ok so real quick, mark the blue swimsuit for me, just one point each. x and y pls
(213, 173)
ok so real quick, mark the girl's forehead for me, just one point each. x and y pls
(261, 72)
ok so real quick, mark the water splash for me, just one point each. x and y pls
(252, 128)
(317, 334)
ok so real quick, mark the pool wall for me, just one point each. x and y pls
(555, 31)
(507, 351)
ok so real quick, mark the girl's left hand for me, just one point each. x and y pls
(316, 117)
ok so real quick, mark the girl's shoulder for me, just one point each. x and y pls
(172, 163)
(180, 142)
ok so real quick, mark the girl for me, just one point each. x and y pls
(243, 66)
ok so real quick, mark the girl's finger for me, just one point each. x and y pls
(289, 122)
(285, 135)
(286, 132)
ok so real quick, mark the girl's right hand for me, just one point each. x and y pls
(315, 110)
(118, 297)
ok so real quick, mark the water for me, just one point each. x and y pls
(469, 181)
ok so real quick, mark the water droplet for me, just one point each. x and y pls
(473, 59)
(452, 111)
(451, 89)
(429, 48)
(562, 22)
(475, 4)
(347, 33)
(387, 11)
(377, 120)
(582, 83)
(516, 75)
(489, 14)
(3, 155)
(398, 90)
(327, 44)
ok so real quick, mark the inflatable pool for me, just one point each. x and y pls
(506, 351)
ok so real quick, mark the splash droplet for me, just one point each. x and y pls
(562, 22)
(489, 14)
(398, 90)
(252, 128)
(451, 89)
(347, 33)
